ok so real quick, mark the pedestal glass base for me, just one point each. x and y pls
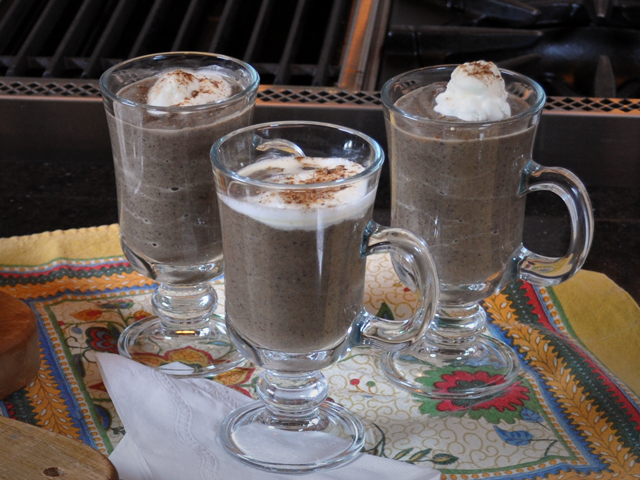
(329, 438)
(476, 371)
(191, 350)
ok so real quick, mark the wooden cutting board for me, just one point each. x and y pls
(19, 345)
(32, 453)
(28, 452)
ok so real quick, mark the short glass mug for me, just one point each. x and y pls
(167, 206)
(294, 284)
(462, 186)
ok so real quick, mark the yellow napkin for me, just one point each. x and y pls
(75, 244)
(589, 296)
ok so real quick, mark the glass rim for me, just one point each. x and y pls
(532, 110)
(377, 155)
(252, 87)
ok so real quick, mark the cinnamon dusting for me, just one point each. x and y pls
(481, 70)
(186, 80)
(307, 198)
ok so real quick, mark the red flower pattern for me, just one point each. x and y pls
(102, 339)
(509, 399)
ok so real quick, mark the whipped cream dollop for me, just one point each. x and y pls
(304, 209)
(180, 88)
(475, 93)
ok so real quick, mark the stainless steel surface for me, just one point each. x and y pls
(58, 120)
(367, 30)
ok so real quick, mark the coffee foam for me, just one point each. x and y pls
(187, 87)
(307, 208)
(476, 92)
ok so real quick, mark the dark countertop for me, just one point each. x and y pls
(45, 196)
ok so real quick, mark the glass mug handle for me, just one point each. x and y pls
(548, 271)
(422, 276)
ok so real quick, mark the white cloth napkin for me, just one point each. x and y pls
(172, 428)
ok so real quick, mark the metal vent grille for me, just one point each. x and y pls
(309, 95)
(319, 96)
(599, 105)
(48, 89)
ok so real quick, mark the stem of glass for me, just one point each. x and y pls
(184, 305)
(293, 397)
(457, 327)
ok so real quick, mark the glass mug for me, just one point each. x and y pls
(167, 206)
(294, 282)
(462, 187)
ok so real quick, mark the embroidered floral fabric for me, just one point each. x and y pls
(565, 417)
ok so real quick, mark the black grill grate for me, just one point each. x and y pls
(292, 42)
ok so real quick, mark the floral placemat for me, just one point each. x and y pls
(567, 416)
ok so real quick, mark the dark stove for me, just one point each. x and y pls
(584, 48)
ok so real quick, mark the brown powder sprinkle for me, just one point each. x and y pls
(481, 69)
(329, 174)
(307, 198)
(185, 78)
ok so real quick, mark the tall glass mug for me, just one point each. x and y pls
(295, 254)
(168, 211)
(462, 186)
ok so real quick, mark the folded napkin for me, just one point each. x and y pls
(172, 431)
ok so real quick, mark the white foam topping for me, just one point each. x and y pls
(305, 208)
(475, 93)
(186, 87)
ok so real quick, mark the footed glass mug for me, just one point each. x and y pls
(168, 212)
(295, 253)
(462, 187)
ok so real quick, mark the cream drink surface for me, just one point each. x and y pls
(458, 188)
(168, 204)
(294, 278)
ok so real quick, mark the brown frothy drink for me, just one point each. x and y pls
(458, 189)
(167, 199)
(461, 140)
(294, 275)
